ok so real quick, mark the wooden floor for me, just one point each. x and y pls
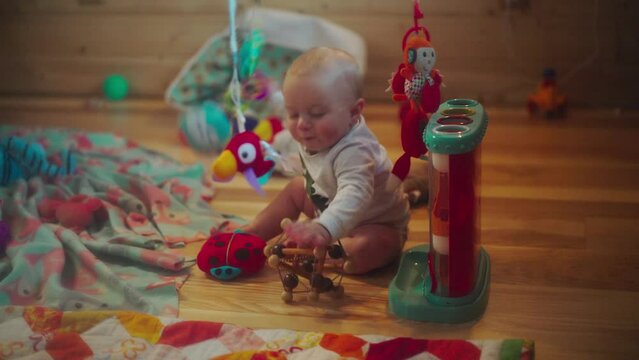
(559, 216)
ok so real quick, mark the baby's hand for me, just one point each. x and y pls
(306, 234)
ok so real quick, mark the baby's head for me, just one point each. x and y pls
(322, 94)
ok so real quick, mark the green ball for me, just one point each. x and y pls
(115, 87)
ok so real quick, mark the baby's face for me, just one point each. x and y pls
(320, 110)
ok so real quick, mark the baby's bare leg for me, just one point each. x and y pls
(289, 203)
(372, 246)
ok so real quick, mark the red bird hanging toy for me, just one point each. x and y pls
(417, 85)
(243, 154)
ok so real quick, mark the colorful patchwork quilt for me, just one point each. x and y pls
(104, 236)
(43, 333)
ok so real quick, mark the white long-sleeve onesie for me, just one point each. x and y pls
(347, 184)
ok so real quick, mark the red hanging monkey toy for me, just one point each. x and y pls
(418, 83)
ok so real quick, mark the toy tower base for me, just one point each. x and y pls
(409, 293)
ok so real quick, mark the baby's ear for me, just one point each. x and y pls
(356, 110)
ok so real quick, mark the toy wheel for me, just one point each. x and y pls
(287, 296)
(313, 295)
(273, 261)
(338, 292)
(349, 267)
(267, 250)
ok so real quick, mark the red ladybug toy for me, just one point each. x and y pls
(227, 255)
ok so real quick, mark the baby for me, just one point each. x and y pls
(343, 192)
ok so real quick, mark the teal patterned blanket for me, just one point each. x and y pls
(119, 252)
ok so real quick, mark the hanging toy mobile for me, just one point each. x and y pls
(415, 83)
(246, 152)
(226, 255)
(205, 124)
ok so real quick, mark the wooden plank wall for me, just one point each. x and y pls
(485, 51)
